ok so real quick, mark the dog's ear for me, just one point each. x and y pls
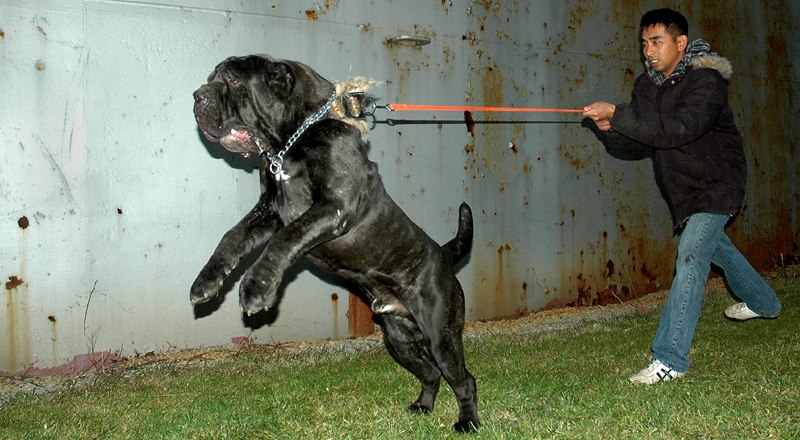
(280, 79)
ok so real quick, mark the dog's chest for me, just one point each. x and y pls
(291, 195)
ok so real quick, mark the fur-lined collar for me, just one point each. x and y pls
(338, 110)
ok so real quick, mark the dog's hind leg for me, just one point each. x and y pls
(406, 344)
(443, 324)
(449, 354)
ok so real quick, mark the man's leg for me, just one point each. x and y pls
(698, 243)
(745, 282)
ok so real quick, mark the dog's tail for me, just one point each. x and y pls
(459, 247)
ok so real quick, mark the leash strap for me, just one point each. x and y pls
(396, 107)
(368, 106)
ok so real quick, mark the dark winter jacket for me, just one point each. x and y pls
(687, 127)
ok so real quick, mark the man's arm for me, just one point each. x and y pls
(601, 113)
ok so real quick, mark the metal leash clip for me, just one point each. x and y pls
(351, 105)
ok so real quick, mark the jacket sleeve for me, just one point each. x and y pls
(702, 97)
(616, 141)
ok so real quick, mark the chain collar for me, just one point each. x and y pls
(276, 162)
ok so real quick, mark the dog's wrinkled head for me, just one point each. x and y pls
(257, 100)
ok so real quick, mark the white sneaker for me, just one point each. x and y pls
(741, 312)
(656, 372)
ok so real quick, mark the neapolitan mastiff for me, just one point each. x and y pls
(322, 197)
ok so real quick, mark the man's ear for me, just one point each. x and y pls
(280, 79)
(682, 41)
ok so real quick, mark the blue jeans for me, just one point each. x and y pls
(703, 241)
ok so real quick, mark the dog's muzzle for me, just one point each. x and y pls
(207, 112)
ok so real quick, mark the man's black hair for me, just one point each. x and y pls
(673, 21)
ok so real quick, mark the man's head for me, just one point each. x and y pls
(674, 21)
(664, 39)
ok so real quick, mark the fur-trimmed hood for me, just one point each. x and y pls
(716, 62)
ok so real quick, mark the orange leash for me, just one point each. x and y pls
(395, 107)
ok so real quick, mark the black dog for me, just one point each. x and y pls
(322, 197)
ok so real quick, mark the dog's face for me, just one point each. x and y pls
(251, 103)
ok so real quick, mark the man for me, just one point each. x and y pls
(679, 116)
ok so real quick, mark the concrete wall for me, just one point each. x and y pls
(110, 202)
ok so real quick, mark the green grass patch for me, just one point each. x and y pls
(571, 384)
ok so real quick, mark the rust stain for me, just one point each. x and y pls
(53, 337)
(2, 34)
(526, 169)
(607, 296)
(313, 14)
(574, 154)
(489, 6)
(23, 222)
(554, 304)
(493, 85)
(469, 37)
(629, 76)
(584, 291)
(39, 66)
(13, 283)
(500, 288)
(508, 302)
(17, 333)
(470, 123)
(610, 269)
(489, 91)
(359, 317)
(449, 55)
(335, 301)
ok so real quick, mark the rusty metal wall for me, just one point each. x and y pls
(110, 202)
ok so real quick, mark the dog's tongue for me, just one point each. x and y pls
(238, 141)
(240, 134)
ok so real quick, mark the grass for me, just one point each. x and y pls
(572, 384)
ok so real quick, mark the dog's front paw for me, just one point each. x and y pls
(467, 426)
(208, 283)
(419, 408)
(258, 292)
